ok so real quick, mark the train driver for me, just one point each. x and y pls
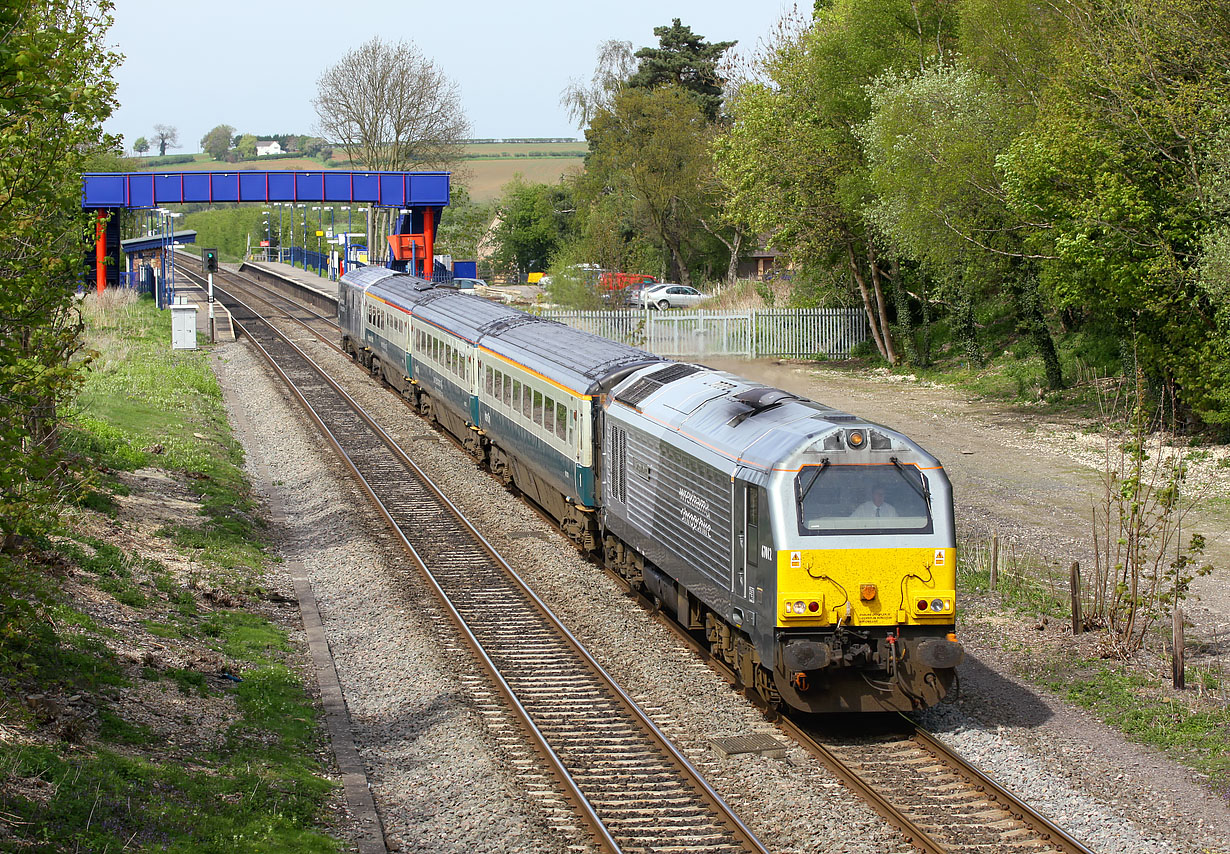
(875, 506)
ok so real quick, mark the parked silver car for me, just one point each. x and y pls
(670, 295)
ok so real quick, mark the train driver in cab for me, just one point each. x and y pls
(875, 506)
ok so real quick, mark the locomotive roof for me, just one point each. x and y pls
(747, 422)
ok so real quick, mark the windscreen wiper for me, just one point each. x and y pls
(802, 493)
(919, 486)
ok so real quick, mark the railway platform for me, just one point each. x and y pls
(303, 278)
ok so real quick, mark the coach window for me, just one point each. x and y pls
(490, 381)
(561, 420)
(527, 402)
(548, 414)
(516, 396)
(537, 413)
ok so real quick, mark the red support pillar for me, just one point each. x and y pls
(429, 240)
(100, 250)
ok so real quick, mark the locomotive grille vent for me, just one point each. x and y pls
(645, 386)
(619, 464)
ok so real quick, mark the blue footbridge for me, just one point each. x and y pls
(419, 196)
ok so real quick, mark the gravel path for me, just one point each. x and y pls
(447, 773)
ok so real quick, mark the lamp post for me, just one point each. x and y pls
(173, 216)
(344, 263)
(304, 224)
(320, 221)
(162, 256)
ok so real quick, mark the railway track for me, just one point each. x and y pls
(939, 802)
(635, 790)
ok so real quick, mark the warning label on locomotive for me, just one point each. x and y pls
(796, 559)
(939, 557)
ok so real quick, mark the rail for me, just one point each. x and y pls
(630, 783)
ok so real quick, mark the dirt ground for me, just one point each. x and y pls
(1027, 476)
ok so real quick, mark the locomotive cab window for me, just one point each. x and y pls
(877, 499)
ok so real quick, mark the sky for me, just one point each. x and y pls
(254, 65)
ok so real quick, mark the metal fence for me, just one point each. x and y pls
(774, 332)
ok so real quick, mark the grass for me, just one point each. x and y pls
(235, 769)
(1141, 708)
(151, 405)
(1190, 726)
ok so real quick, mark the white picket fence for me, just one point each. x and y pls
(773, 332)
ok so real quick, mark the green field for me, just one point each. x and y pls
(487, 168)
(527, 149)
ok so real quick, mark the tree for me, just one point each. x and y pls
(683, 59)
(217, 142)
(246, 146)
(932, 143)
(50, 124)
(651, 150)
(1115, 178)
(390, 108)
(165, 136)
(533, 221)
(791, 159)
(464, 225)
(141, 145)
(615, 65)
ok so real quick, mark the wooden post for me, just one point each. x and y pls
(1078, 623)
(994, 561)
(1177, 639)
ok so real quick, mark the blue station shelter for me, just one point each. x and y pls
(420, 195)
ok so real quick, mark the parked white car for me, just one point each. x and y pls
(670, 295)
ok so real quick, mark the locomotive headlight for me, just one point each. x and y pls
(789, 607)
(800, 607)
(856, 438)
(937, 604)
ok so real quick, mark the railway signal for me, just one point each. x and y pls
(210, 257)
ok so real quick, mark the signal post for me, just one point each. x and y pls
(210, 257)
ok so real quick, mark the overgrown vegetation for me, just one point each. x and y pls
(55, 93)
(147, 706)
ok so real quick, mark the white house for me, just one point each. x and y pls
(267, 146)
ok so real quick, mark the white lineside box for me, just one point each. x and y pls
(183, 327)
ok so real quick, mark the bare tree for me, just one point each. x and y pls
(165, 136)
(391, 108)
(616, 63)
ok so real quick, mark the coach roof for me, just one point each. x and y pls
(579, 360)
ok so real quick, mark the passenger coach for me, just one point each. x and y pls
(813, 550)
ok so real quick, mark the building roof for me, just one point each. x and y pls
(156, 241)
